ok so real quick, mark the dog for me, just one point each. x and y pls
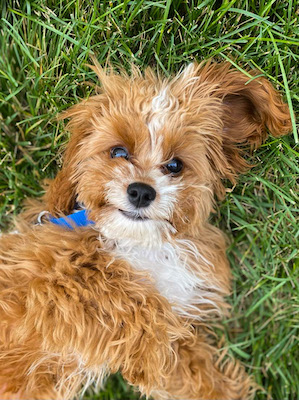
(138, 285)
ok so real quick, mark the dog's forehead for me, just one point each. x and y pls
(144, 122)
(162, 107)
(152, 122)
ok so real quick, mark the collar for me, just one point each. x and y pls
(71, 221)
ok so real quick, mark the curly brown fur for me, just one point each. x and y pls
(137, 291)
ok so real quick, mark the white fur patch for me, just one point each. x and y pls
(169, 267)
(116, 226)
(161, 106)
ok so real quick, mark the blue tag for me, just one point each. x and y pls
(79, 218)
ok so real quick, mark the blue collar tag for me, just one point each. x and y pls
(79, 218)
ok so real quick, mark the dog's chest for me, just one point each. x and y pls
(168, 269)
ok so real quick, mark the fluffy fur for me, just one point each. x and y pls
(137, 295)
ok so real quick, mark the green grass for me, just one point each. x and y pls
(44, 49)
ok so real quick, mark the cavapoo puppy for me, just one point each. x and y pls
(124, 271)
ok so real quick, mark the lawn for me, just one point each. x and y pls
(44, 49)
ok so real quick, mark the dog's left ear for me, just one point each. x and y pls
(248, 107)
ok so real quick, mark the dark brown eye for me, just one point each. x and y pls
(118, 151)
(174, 166)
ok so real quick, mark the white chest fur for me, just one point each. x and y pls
(169, 267)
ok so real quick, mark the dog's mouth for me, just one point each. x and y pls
(133, 216)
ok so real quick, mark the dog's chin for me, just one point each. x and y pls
(135, 216)
(133, 228)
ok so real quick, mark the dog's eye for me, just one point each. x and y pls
(174, 166)
(117, 152)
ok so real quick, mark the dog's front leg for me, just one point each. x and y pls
(112, 319)
(70, 312)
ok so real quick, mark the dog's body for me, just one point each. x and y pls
(137, 291)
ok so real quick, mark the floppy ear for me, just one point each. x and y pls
(61, 195)
(250, 108)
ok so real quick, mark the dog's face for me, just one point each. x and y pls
(147, 155)
(143, 170)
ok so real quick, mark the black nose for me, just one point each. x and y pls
(141, 194)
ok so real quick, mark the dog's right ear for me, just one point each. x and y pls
(61, 195)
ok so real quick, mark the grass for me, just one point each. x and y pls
(44, 48)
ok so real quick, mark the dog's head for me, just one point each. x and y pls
(147, 155)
